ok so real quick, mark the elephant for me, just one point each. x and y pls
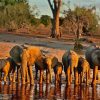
(92, 55)
(7, 66)
(83, 67)
(58, 72)
(70, 62)
(48, 63)
(26, 58)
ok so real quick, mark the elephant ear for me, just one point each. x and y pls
(15, 53)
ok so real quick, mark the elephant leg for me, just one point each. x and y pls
(10, 78)
(5, 76)
(94, 75)
(0, 76)
(50, 73)
(47, 77)
(14, 77)
(87, 78)
(79, 78)
(71, 72)
(18, 74)
(56, 78)
(82, 77)
(24, 67)
(76, 76)
(36, 75)
(97, 74)
(31, 75)
(68, 76)
(27, 75)
(41, 77)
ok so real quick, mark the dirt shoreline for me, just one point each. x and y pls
(49, 45)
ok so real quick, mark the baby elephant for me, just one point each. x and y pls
(83, 67)
(7, 66)
(58, 72)
(48, 64)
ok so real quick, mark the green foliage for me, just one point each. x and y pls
(14, 13)
(85, 16)
(45, 19)
(78, 46)
(35, 21)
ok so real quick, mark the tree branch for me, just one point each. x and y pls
(51, 6)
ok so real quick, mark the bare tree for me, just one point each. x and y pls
(55, 8)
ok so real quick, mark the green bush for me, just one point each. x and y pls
(78, 45)
(13, 16)
(45, 19)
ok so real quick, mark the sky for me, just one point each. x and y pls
(44, 9)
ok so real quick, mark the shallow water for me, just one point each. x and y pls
(48, 92)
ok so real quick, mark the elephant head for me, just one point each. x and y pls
(15, 53)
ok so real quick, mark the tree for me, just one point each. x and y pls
(55, 8)
(46, 20)
(84, 17)
(81, 20)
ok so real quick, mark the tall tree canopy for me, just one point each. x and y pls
(55, 8)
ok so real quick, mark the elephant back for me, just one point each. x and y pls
(65, 61)
(3, 62)
(15, 53)
(73, 58)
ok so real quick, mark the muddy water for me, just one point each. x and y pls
(48, 92)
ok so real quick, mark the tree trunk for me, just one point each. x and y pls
(55, 31)
(55, 27)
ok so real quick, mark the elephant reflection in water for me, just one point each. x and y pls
(26, 57)
(83, 68)
(68, 92)
(81, 92)
(40, 93)
(70, 62)
(57, 91)
(92, 55)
